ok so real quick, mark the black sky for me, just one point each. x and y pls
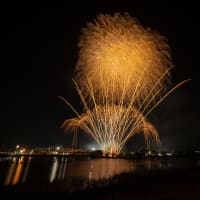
(39, 54)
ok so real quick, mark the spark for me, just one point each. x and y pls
(122, 74)
(120, 58)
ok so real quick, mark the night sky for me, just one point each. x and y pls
(39, 52)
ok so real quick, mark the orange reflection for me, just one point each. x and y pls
(18, 171)
(26, 170)
(10, 172)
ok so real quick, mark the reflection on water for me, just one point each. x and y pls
(61, 169)
(98, 168)
(18, 171)
(26, 170)
(58, 168)
(107, 168)
(91, 169)
(15, 171)
(10, 172)
(53, 170)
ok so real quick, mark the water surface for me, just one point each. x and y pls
(38, 172)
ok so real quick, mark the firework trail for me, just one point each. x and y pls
(122, 74)
(112, 126)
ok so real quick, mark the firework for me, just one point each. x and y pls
(111, 126)
(121, 58)
(122, 74)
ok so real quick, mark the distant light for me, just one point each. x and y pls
(149, 153)
(57, 148)
(17, 146)
(93, 149)
(169, 154)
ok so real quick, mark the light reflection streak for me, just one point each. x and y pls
(58, 169)
(18, 171)
(10, 172)
(26, 170)
(62, 169)
(53, 171)
(90, 170)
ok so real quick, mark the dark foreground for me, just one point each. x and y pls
(166, 184)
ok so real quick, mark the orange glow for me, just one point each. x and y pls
(122, 73)
(10, 173)
(112, 126)
(120, 57)
(18, 171)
